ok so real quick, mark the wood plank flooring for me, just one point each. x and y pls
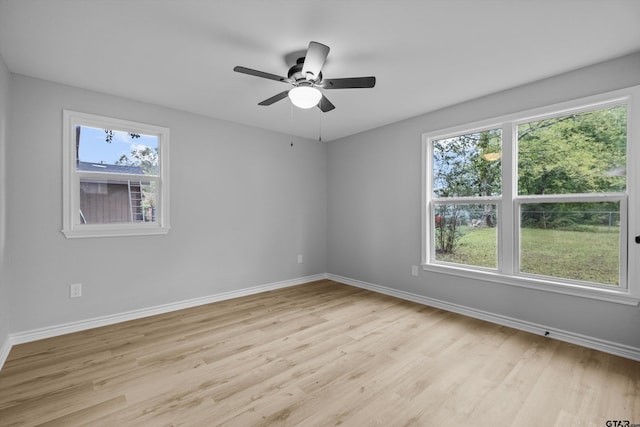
(319, 354)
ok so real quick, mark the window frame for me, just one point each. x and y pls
(508, 204)
(72, 227)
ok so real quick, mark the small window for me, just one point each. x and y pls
(115, 177)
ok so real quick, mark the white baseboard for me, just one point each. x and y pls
(56, 330)
(570, 337)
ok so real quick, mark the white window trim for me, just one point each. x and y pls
(71, 226)
(630, 208)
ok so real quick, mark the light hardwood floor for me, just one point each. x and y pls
(319, 354)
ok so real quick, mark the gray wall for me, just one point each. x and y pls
(244, 204)
(5, 78)
(374, 208)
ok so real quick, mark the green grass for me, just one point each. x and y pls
(477, 246)
(579, 255)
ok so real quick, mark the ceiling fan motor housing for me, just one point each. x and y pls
(295, 73)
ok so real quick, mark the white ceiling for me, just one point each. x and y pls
(425, 54)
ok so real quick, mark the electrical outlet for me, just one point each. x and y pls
(414, 270)
(300, 259)
(75, 290)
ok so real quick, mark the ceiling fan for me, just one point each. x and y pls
(307, 80)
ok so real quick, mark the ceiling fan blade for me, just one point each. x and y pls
(251, 72)
(325, 105)
(314, 60)
(275, 98)
(349, 83)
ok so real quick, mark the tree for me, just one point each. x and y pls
(573, 154)
(465, 166)
(447, 221)
(145, 157)
(468, 165)
(578, 153)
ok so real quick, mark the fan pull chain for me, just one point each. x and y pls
(320, 128)
(291, 135)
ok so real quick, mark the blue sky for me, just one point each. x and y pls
(94, 147)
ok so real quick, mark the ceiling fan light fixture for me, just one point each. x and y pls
(305, 96)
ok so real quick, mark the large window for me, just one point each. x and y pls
(539, 199)
(115, 174)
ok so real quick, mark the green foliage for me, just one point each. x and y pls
(466, 165)
(571, 154)
(145, 157)
(570, 216)
(580, 153)
(448, 221)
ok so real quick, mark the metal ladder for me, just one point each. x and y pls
(135, 202)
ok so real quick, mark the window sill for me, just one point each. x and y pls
(88, 231)
(619, 296)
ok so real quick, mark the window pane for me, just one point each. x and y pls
(579, 241)
(101, 150)
(468, 165)
(578, 153)
(116, 201)
(466, 234)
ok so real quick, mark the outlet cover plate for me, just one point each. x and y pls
(75, 290)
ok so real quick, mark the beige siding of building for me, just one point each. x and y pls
(104, 203)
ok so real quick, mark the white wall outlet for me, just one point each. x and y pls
(300, 259)
(75, 290)
(414, 270)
